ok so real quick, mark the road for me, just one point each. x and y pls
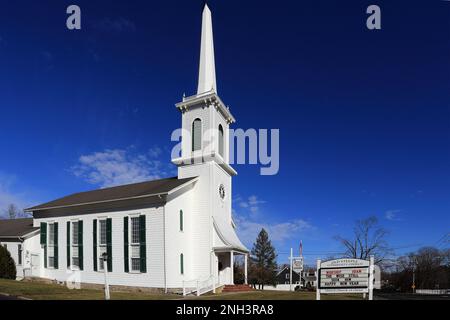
(5, 297)
(408, 296)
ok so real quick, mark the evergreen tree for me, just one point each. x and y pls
(263, 261)
(7, 265)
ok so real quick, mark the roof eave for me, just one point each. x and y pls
(210, 97)
(34, 209)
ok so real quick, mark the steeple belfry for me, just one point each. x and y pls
(207, 69)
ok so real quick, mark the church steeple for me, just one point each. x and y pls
(205, 118)
(207, 69)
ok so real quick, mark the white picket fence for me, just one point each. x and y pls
(433, 291)
(199, 286)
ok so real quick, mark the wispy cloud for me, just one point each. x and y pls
(117, 25)
(392, 215)
(250, 219)
(121, 166)
(9, 195)
(252, 204)
(279, 232)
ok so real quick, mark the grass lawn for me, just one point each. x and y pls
(41, 291)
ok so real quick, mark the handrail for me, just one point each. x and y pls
(199, 286)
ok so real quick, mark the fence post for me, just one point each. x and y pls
(317, 280)
(198, 289)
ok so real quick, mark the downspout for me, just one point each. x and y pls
(164, 246)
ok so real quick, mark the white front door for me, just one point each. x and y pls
(35, 265)
(224, 269)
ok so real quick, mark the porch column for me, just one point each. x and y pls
(245, 268)
(232, 266)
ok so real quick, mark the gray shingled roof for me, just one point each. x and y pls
(16, 227)
(143, 189)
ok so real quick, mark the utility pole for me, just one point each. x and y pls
(414, 275)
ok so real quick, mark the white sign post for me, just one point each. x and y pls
(105, 270)
(317, 280)
(296, 265)
(345, 276)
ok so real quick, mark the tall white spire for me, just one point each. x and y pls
(207, 70)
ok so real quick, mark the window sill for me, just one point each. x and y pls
(135, 272)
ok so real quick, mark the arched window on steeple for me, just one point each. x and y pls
(221, 140)
(196, 134)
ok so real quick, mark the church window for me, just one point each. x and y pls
(75, 242)
(221, 140)
(197, 135)
(182, 263)
(50, 245)
(135, 254)
(181, 220)
(101, 243)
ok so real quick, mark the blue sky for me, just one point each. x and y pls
(364, 116)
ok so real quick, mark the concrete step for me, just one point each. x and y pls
(237, 288)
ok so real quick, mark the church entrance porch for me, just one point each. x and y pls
(224, 262)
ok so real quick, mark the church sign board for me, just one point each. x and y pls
(297, 264)
(345, 276)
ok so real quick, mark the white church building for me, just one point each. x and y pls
(166, 234)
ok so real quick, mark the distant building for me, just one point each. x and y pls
(284, 276)
(21, 239)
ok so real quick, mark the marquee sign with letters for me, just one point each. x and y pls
(345, 276)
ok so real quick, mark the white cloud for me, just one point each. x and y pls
(252, 204)
(278, 232)
(392, 215)
(121, 166)
(116, 25)
(250, 220)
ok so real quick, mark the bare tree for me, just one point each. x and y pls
(12, 211)
(368, 239)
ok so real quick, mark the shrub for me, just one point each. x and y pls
(7, 265)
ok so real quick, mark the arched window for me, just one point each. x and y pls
(221, 140)
(197, 135)
(181, 263)
(181, 221)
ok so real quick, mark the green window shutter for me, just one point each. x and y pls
(125, 245)
(80, 244)
(55, 225)
(143, 245)
(68, 244)
(182, 263)
(109, 243)
(45, 256)
(94, 243)
(43, 233)
(181, 220)
(44, 241)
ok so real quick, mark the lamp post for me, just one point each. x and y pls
(105, 270)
